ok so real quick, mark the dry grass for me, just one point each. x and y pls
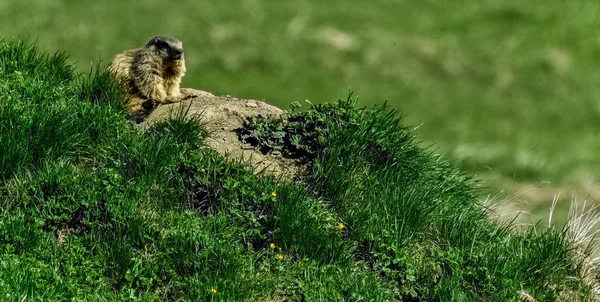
(581, 231)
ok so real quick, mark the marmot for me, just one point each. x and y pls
(151, 74)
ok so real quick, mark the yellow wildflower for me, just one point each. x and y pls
(341, 225)
(273, 194)
(213, 290)
(280, 257)
(272, 246)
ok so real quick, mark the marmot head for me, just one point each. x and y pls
(168, 48)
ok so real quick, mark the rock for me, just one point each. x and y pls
(222, 116)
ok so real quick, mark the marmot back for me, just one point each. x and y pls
(151, 73)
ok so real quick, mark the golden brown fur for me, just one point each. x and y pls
(151, 74)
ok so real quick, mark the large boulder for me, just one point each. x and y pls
(222, 116)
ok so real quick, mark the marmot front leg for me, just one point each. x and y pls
(136, 104)
(172, 87)
(151, 86)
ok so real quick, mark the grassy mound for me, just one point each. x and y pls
(93, 209)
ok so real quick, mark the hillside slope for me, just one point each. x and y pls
(92, 208)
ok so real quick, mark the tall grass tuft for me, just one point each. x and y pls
(581, 232)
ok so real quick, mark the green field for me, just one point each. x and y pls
(507, 89)
(93, 208)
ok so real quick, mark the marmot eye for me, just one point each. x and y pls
(162, 44)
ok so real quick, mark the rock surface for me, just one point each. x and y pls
(221, 116)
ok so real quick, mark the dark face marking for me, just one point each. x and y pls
(168, 47)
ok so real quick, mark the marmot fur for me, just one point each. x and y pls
(151, 74)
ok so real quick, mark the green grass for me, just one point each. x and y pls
(92, 208)
(507, 89)
(505, 86)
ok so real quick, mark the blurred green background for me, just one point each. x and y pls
(510, 90)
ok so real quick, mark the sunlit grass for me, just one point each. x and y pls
(92, 208)
(502, 86)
